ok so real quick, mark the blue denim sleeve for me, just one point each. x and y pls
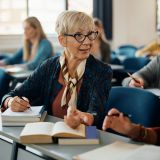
(15, 59)
(44, 52)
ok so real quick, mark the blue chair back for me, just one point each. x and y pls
(144, 106)
(135, 63)
(126, 50)
(114, 58)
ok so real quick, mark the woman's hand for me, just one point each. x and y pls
(118, 123)
(86, 118)
(18, 104)
(73, 118)
(138, 83)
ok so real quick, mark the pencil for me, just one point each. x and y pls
(137, 81)
(117, 114)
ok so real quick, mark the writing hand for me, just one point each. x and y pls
(136, 82)
(18, 104)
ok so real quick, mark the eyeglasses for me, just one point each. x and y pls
(81, 37)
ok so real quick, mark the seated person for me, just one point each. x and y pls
(151, 50)
(75, 80)
(36, 49)
(147, 77)
(118, 122)
(101, 49)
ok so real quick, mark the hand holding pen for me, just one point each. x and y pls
(17, 104)
(135, 82)
(117, 121)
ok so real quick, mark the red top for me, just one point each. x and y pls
(57, 110)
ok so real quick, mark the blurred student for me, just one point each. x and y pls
(35, 50)
(147, 77)
(101, 48)
(118, 122)
(150, 50)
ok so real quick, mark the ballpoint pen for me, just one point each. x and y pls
(29, 107)
(136, 80)
(117, 114)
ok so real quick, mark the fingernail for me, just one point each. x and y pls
(85, 119)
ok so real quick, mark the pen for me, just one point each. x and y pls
(29, 107)
(137, 81)
(117, 114)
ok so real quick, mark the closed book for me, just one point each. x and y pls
(33, 114)
(92, 137)
(22, 122)
(45, 132)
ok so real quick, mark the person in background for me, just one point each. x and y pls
(35, 50)
(119, 123)
(101, 48)
(147, 77)
(151, 50)
(75, 81)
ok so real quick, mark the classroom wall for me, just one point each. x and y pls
(134, 22)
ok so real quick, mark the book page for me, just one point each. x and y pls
(38, 128)
(63, 130)
(146, 152)
(115, 151)
(34, 111)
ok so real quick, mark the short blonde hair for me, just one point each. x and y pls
(69, 21)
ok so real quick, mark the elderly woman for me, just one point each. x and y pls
(75, 80)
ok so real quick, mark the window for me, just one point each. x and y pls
(13, 12)
(46, 12)
(81, 5)
(158, 15)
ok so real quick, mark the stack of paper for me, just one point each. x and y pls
(33, 114)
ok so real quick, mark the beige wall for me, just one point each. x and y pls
(134, 22)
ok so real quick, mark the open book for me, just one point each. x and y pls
(43, 132)
(33, 114)
(92, 137)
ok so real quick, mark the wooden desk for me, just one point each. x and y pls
(56, 151)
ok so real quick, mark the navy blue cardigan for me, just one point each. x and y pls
(42, 87)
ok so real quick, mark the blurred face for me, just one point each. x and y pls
(29, 31)
(78, 44)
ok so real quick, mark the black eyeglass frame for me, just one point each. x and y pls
(87, 35)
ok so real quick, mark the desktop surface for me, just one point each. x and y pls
(61, 151)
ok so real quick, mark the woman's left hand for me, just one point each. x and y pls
(86, 118)
(75, 117)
